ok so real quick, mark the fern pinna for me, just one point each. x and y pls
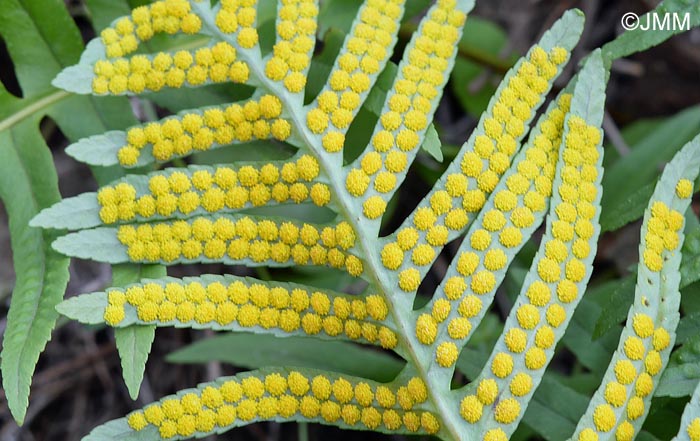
(495, 194)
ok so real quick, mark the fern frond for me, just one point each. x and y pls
(495, 402)
(364, 55)
(462, 190)
(495, 193)
(183, 192)
(620, 405)
(260, 118)
(107, 66)
(274, 394)
(231, 239)
(230, 303)
(408, 109)
(291, 57)
(690, 421)
(514, 210)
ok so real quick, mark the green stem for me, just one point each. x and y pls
(303, 431)
(40, 104)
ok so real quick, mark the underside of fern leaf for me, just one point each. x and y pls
(509, 174)
(622, 402)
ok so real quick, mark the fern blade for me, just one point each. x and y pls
(185, 192)
(690, 421)
(305, 395)
(620, 405)
(460, 194)
(42, 274)
(561, 268)
(230, 303)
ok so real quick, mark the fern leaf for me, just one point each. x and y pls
(127, 73)
(259, 118)
(179, 193)
(495, 192)
(690, 421)
(400, 407)
(40, 38)
(249, 240)
(478, 168)
(378, 172)
(561, 267)
(514, 210)
(42, 274)
(363, 56)
(133, 342)
(229, 303)
(288, 64)
(620, 405)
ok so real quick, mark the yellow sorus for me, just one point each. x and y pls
(625, 431)
(604, 418)
(471, 409)
(635, 408)
(644, 385)
(634, 348)
(653, 363)
(625, 372)
(661, 339)
(588, 434)
(643, 325)
(515, 340)
(426, 329)
(487, 391)
(693, 429)
(137, 421)
(502, 365)
(446, 354)
(684, 188)
(507, 410)
(538, 293)
(535, 358)
(521, 384)
(495, 435)
(615, 394)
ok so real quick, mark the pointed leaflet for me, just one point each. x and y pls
(478, 168)
(622, 402)
(302, 394)
(259, 118)
(229, 303)
(561, 268)
(134, 342)
(27, 183)
(194, 190)
(690, 421)
(363, 56)
(514, 210)
(41, 37)
(375, 176)
(231, 239)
